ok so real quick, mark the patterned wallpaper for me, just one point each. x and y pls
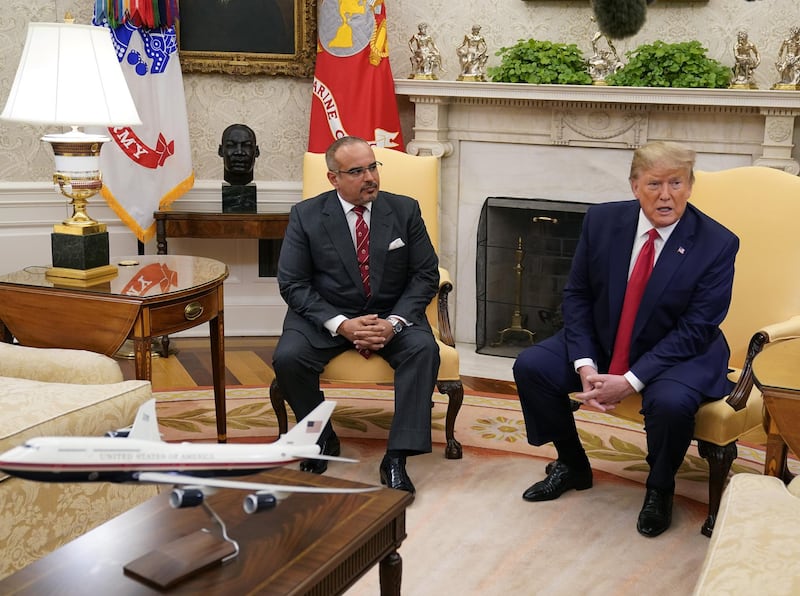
(277, 108)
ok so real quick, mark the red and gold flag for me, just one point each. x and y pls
(353, 90)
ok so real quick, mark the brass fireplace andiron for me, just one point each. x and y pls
(516, 330)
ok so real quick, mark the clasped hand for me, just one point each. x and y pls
(602, 392)
(367, 332)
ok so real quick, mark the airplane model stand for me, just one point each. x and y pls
(175, 561)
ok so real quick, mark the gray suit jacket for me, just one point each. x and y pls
(318, 273)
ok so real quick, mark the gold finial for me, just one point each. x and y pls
(68, 18)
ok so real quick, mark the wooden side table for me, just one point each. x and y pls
(198, 224)
(151, 297)
(776, 372)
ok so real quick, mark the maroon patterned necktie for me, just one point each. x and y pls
(362, 254)
(362, 247)
(633, 297)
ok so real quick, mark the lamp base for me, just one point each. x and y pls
(79, 252)
(99, 284)
(81, 278)
(80, 260)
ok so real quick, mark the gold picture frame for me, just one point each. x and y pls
(285, 44)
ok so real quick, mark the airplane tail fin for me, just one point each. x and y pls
(145, 427)
(308, 430)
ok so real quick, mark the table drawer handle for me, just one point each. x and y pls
(193, 311)
(544, 219)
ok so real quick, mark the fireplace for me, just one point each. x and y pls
(524, 252)
(573, 143)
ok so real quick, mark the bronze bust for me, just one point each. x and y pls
(238, 151)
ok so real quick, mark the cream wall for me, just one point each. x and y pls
(277, 109)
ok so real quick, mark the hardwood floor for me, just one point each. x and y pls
(247, 363)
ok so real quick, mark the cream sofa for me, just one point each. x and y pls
(755, 547)
(59, 392)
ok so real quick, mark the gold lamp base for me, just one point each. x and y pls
(79, 244)
(81, 278)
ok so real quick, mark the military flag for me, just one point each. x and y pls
(353, 88)
(146, 167)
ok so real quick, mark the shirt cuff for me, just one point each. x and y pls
(634, 381)
(333, 324)
(584, 362)
(404, 321)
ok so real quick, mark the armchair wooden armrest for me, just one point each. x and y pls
(776, 332)
(442, 310)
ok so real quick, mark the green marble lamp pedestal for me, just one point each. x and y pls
(82, 257)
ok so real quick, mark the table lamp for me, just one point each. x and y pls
(69, 75)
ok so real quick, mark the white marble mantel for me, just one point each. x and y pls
(573, 142)
(434, 100)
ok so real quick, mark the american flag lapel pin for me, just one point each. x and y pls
(681, 250)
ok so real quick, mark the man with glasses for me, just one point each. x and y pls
(357, 270)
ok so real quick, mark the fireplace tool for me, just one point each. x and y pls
(516, 331)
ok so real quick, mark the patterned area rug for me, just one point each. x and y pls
(492, 422)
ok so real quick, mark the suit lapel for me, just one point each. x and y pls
(673, 255)
(335, 224)
(619, 256)
(379, 231)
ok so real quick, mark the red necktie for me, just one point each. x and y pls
(362, 254)
(633, 297)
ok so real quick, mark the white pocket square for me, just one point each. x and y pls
(396, 243)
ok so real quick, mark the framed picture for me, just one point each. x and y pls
(277, 37)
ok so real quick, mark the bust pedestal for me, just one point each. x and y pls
(238, 198)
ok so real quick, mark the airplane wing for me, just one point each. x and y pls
(188, 480)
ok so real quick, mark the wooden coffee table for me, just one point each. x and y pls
(308, 544)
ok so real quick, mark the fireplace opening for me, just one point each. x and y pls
(525, 249)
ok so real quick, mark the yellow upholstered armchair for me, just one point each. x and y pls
(762, 207)
(417, 177)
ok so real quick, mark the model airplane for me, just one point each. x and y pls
(191, 467)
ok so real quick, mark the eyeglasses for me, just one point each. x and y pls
(359, 172)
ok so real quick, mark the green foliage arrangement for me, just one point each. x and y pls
(541, 62)
(671, 65)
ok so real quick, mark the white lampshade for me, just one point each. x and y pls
(69, 74)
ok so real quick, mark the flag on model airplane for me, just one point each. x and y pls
(146, 167)
(353, 88)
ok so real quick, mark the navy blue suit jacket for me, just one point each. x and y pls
(318, 273)
(676, 334)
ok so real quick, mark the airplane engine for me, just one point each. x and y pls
(259, 502)
(185, 497)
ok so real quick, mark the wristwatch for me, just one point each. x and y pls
(397, 324)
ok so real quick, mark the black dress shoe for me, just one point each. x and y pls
(317, 466)
(656, 513)
(394, 475)
(560, 479)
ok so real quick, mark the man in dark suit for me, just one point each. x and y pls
(332, 309)
(676, 356)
